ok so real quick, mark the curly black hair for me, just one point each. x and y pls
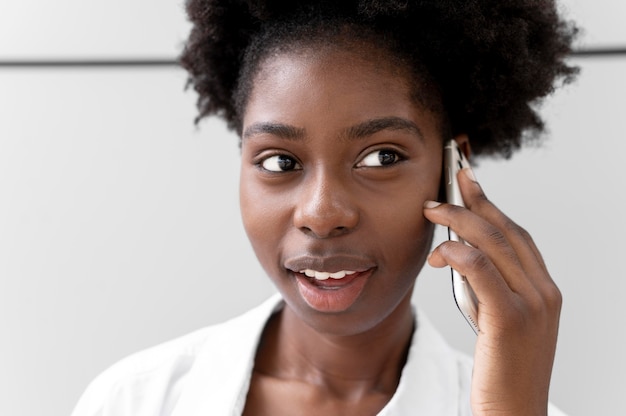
(491, 61)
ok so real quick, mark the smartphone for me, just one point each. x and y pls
(454, 160)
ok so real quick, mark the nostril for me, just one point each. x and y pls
(337, 231)
(319, 233)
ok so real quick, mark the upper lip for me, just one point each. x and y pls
(331, 264)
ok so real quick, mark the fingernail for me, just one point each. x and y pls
(470, 174)
(431, 204)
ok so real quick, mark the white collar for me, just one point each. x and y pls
(429, 385)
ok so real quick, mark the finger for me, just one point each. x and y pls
(482, 275)
(527, 252)
(476, 201)
(547, 295)
(486, 238)
(496, 300)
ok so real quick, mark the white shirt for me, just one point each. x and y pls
(208, 372)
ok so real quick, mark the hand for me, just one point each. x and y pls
(518, 303)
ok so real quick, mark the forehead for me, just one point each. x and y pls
(331, 90)
(350, 80)
(340, 69)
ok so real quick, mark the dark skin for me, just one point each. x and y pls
(339, 164)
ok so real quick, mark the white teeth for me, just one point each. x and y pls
(338, 275)
(325, 275)
(322, 275)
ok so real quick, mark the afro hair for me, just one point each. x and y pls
(492, 61)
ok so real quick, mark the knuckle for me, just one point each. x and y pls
(554, 297)
(478, 262)
(481, 197)
(524, 233)
(511, 227)
(545, 304)
(479, 200)
(532, 310)
(496, 237)
(445, 249)
(536, 305)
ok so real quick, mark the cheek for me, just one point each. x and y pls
(412, 252)
(265, 218)
(407, 234)
(401, 225)
(253, 208)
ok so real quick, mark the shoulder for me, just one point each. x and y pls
(166, 363)
(150, 381)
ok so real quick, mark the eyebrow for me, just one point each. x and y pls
(283, 131)
(359, 131)
(373, 126)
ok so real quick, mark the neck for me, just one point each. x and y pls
(344, 365)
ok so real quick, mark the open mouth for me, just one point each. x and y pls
(330, 283)
(331, 291)
(330, 280)
(327, 275)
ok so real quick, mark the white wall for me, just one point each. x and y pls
(119, 224)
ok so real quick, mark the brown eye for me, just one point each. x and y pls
(280, 163)
(381, 157)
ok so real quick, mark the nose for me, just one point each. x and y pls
(325, 207)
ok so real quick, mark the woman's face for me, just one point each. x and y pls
(337, 160)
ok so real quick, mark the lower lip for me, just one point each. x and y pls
(332, 295)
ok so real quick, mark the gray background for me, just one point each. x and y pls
(119, 223)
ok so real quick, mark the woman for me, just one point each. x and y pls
(343, 111)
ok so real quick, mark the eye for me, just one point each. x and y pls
(279, 163)
(382, 157)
